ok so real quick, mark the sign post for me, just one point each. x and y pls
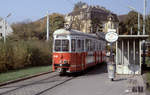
(111, 37)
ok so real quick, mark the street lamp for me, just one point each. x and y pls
(138, 18)
(5, 19)
(144, 14)
(47, 35)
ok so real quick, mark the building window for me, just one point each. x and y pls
(0, 27)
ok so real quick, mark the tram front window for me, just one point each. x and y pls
(57, 45)
(61, 45)
(65, 45)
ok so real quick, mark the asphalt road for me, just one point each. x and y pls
(94, 82)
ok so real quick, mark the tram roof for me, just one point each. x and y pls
(73, 32)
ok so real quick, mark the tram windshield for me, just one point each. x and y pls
(61, 45)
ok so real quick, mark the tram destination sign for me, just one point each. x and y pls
(111, 36)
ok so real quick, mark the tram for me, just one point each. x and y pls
(75, 51)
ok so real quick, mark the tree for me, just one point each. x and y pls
(148, 24)
(36, 30)
(56, 22)
(131, 21)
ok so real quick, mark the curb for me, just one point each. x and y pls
(25, 78)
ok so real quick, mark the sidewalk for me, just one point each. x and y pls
(97, 83)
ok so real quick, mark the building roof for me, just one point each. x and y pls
(95, 11)
(133, 36)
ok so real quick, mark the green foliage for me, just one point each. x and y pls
(131, 21)
(20, 54)
(148, 24)
(26, 47)
(29, 30)
(56, 22)
(5, 57)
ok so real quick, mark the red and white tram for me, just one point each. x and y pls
(75, 51)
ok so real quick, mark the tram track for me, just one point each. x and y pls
(52, 82)
(25, 85)
(48, 89)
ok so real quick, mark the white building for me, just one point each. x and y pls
(4, 28)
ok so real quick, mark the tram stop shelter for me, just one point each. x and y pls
(128, 54)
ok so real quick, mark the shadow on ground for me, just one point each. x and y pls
(98, 69)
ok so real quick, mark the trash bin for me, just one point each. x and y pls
(111, 70)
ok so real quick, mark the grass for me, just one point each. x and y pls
(13, 75)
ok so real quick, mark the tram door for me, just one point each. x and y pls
(128, 56)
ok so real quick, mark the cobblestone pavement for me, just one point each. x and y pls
(95, 82)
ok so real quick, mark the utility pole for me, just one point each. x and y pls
(144, 48)
(138, 23)
(47, 36)
(5, 19)
(4, 30)
(144, 14)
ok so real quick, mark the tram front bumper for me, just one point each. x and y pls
(62, 65)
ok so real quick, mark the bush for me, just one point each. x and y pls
(6, 54)
(20, 54)
(40, 53)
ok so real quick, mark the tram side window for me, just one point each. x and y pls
(97, 46)
(88, 45)
(82, 45)
(65, 45)
(94, 46)
(100, 46)
(79, 45)
(73, 45)
(57, 45)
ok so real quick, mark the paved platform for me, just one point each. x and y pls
(95, 82)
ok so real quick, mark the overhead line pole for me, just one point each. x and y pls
(47, 37)
(144, 48)
(138, 23)
(144, 14)
(5, 22)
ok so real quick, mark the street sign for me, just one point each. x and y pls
(111, 37)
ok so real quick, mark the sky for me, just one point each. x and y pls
(33, 10)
